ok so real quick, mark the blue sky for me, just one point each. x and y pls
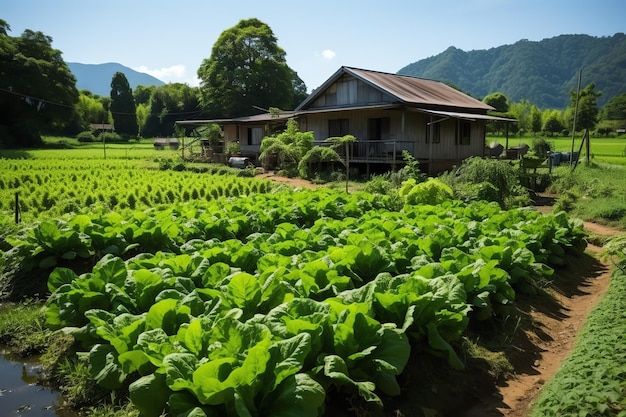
(170, 39)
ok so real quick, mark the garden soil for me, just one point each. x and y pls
(547, 332)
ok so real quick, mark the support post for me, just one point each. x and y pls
(17, 207)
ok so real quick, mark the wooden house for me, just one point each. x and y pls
(387, 113)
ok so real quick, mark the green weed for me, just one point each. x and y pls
(22, 328)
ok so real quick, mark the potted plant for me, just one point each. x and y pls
(233, 149)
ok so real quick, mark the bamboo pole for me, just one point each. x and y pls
(571, 156)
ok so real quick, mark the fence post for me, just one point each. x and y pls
(17, 207)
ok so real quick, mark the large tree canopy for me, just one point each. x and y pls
(246, 71)
(615, 109)
(498, 101)
(587, 107)
(37, 89)
(169, 103)
(123, 107)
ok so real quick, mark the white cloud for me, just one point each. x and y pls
(173, 74)
(328, 54)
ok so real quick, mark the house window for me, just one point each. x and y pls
(378, 128)
(466, 129)
(436, 132)
(255, 134)
(337, 127)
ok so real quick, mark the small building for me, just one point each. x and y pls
(102, 127)
(162, 143)
(387, 113)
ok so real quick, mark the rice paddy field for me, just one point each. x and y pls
(602, 150)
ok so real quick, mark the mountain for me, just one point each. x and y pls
(542, 72)
(97, 77)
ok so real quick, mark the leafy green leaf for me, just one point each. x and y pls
(105, 368)
(298, 395)
(149, 394)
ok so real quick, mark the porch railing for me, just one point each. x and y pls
(375, 150)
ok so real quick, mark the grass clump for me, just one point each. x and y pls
(22, 328)
(592, 193)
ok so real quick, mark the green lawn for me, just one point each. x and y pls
(602, 150)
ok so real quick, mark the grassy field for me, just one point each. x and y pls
(602, 150)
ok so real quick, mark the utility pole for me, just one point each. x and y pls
(571, 156)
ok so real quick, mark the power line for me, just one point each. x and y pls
(71, 107)
(35, 98)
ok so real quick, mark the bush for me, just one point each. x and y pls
(86, 136)
(541, 148)
(502, 175)
(476, 192)
(432, 191)
(247, 172)
(109, 137)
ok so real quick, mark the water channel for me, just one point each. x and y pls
(20, 393)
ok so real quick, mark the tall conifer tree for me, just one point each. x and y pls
(123, 107)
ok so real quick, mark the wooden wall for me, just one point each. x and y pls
(414, 129)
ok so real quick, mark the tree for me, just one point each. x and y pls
(123, 107)
(90, 110)
(587, 107)
(169, 103)
(615, 109)
(143, 93)
(246, 71)
(37, 89)
(526, 114)
(535, 119)
(552, 123)
(498, 101)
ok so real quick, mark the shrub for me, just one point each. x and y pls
(566, 201)
(317, 160)
(476, 192)
(164, 163)
(247, 172)
(432, 191)
(109, 137)
(86, 136)
(502, 175)
(541, 148)
(378, 184)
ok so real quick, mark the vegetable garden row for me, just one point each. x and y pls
(264, 304)
(61, 186)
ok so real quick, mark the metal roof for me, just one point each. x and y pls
(256, 118)
(466, 116)
(411, 93)
(407, 90)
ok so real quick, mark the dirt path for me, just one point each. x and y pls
(296, 182)
(549, 331)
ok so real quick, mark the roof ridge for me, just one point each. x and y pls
(393, 74)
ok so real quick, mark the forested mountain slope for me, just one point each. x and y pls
(97, 77)
(542, 72)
